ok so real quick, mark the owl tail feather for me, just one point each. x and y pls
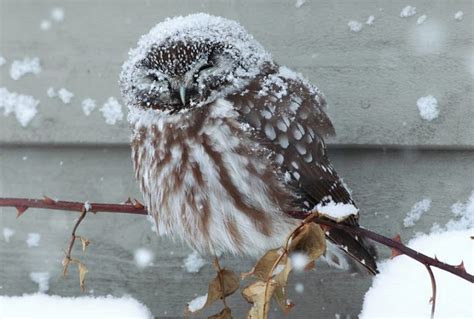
(356, 247)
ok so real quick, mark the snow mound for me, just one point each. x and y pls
(194, 262)
(354, 26)
(42, 306)
(403, 281)
(403, 287)
(21, 67)
(416, 211)
(112, 111)
(428, 107)
(24, 106)
(408, 11)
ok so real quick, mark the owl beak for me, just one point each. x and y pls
(182, 94)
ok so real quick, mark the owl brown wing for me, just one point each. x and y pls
(285, 113)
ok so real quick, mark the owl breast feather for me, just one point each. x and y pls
(206, 180)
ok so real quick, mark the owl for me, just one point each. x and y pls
(225, 141)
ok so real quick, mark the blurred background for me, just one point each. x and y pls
(399, 85)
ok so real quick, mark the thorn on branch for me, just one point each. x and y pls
(396, 252)
(48, 200)
(461, 266)
(21, 210)
(137, 204)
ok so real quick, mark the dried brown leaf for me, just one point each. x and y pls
(259, 297)
(82, 275)
(65, 262)
(85, 242)
(264, 265)
(310, 265)
(230, 282)
(310, 241)
(215, 291)
(224, 314)
(280, 291)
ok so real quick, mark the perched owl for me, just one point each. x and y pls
(225, 141)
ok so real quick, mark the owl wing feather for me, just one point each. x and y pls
(286, 116)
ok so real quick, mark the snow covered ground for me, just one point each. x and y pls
(41, 306)
(403, 287)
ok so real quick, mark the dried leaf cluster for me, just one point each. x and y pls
(271, 273)
(85, 243)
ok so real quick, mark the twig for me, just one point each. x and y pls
(433, 288)
(137, 209)
(221, 280)
(67, 259)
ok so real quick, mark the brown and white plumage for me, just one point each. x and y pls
(225, 140)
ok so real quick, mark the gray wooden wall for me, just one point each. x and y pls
(387, 154)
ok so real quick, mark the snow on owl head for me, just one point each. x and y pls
(187, 61)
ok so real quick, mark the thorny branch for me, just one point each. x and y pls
(458, 270)
(135, 207)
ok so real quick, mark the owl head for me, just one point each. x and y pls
(186, 62)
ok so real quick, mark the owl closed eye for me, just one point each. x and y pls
(183, 75)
